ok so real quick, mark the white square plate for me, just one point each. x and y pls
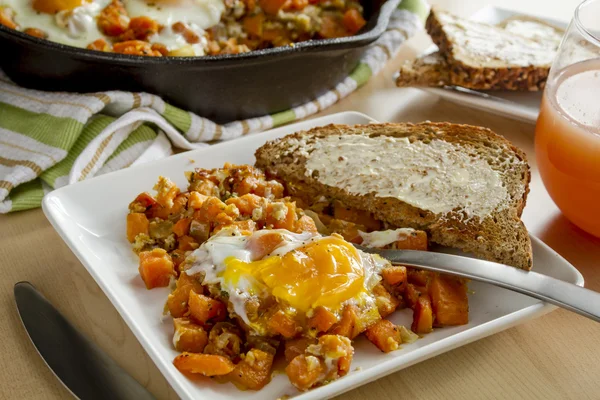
(523, 106)
(90, 217)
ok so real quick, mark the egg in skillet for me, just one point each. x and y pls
(74, 22)
(277, 269)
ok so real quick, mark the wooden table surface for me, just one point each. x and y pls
(553, 357)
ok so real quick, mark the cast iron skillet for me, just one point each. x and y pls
(223, 88)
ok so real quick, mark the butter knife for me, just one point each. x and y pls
(560, 293)
(85, 370)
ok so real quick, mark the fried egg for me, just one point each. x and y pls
(300, 270)
(74, 22)
(71, 22)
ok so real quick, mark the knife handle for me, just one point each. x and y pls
(560, 293)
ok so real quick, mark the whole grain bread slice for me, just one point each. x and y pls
(516, 55)
(499, 236)
(428, 70)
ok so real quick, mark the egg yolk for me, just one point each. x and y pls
(325, 273)
(54, 6)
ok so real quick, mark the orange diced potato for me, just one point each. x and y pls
(416, 240)
(282, 324)
(349, 230)
(305, 224)
(182, 227)
(304, 371)
(322, 319)
(247, 203)
(166, 190)
(385, 301)
(203, 308)
(204, 364)
(253, 24)
(348, 325)
(254, 371)
(136, 223)
(358, 217)
(187, 243)
(264, 244)
(418, 277)
(271, 6)
(196, 200)
(296, 347)
(353, 21)
(211, 207)
(340, 348)
(395, 276)
(449, 300)
(385, 335)
(422, 315)
(281, 215)
(188, 336)
(412, 293)
(156, 268)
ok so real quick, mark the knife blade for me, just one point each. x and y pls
(85, 369)
(560, 293)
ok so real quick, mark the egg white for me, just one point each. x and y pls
(80, 29)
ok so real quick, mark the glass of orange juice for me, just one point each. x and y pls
(567, 133)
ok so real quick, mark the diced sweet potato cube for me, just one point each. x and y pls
(296, 347)
(385, 335)
(358, 217)
(136, 223)
(166, 190)
(353, 21)
(190, 280)
(188, 336)
(349, 230)
(156, 268)
(177, 302)
(385, 301)
(336, 347)
(271, 6)
(322, 319)
(113, 20)
(187, 243)
(254, 371)
(211, 207)
(178, 257)
(253, 24)
(422, 315)
(304, 371)
(204, 364)
(416, 240)
(264, 244)
(281, 215)
(305, 224)
(182, 227)
(418, 277)
(196, 200)
(246, 203)
(348, 325)
(412, 293)
(203, 308)
(395, 276)
(449, 300)
(282, 324)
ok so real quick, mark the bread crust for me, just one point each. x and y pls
(500, 237)
(527, 78)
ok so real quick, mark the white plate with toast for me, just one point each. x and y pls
(518, 105)
(90, 217)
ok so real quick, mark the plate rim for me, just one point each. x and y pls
(56, 215)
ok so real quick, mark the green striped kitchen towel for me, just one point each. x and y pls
(48, 140)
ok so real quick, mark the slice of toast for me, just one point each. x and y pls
(515, 55)
(464, 185)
